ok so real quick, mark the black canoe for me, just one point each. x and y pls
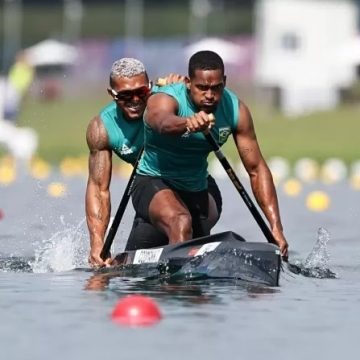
(222, 255)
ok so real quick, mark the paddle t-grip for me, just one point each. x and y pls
(161, 82)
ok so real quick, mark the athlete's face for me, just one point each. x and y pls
(206, 88)
(131, 95)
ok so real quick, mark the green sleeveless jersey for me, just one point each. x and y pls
(126, 137)
(182, 160)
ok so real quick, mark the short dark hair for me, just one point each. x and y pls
(205, 60)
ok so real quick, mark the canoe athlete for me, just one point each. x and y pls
(170, 189)
(119, 128)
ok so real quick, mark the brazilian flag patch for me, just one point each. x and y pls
(224, 133)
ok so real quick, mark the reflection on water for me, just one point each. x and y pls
(191, 292)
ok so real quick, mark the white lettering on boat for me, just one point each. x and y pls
(144, 256)
(208, 248)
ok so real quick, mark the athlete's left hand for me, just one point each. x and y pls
(281, 243)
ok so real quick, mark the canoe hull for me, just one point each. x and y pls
(222, 255)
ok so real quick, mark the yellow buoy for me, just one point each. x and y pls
(7, 174)
(317, 201)
(292, 187)
(57, 189)
(40, 169)
(355, 175)
(72, 166)
(355, 181)
(124, 170)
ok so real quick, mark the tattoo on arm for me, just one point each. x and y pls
(246, 151)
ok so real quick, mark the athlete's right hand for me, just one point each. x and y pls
(96, 261)
(170, 79)
(200, 121)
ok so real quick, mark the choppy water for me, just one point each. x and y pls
(50, 308)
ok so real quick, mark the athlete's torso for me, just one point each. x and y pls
(182, 160)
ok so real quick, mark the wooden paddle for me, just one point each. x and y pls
(120, 212)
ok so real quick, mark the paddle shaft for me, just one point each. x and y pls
(240, 188)
(120, 212)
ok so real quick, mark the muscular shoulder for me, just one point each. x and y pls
(96, 135)
(160, 102)
(161, 98)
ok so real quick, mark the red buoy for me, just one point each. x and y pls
(136, 310)
(1, 214)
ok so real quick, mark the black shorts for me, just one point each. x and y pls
(145, 187)
(144, 234)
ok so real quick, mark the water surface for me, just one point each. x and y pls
(51, 308)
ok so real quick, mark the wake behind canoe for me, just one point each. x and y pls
(222, 255)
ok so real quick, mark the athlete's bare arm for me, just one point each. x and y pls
(97, 191)
(260, 176)
(161, 115)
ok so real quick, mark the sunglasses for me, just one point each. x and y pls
(127, 95)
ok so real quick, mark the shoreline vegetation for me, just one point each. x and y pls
(61, 126)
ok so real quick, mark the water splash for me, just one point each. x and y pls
(15, 264)
(64, 251)
(319, 256)
(316, 264)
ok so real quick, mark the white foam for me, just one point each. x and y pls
(64, 251)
